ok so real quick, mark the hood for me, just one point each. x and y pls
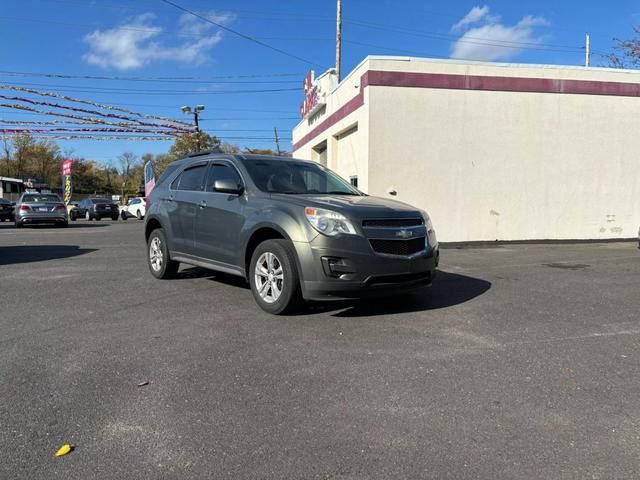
(352, 206)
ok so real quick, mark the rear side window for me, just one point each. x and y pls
(166, 174)
(191, 179)
(221, 172)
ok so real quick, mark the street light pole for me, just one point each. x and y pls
(196, 112)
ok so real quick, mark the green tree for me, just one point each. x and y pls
(189, 143)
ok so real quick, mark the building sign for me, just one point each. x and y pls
(311, 95)
(67, 182)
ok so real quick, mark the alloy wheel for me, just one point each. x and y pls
(155, 254)
(269, 277)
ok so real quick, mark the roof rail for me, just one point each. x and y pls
(206, 152)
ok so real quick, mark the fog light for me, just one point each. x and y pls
(336, 267)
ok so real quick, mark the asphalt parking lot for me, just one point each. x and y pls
(521, 361)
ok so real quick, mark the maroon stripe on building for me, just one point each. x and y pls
(379, 78)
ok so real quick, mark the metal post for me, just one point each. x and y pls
(195, 118)
(587, 53)
(339, 38)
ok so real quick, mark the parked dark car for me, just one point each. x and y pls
(95, 209)
(7, 210)
(293, 229)
(33, 208)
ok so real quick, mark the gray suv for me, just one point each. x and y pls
(292, 228)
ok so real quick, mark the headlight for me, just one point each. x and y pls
(328, 222)
(427, 221)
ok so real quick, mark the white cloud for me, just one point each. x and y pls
(190, 25)
(474, 16)
(136, 43)
(493, 40)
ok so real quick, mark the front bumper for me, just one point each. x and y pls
(357, 271)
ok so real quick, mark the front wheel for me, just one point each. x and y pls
(274, 278)
(138, 215)
(160, 264)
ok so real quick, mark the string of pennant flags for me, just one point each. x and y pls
(95, 137)
(92, 112)
(112, 121)
(94, 104)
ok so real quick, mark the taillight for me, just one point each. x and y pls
(60, 208)
(25, 208)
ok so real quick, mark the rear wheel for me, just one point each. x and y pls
(73, 217)
(123, 215)
(160, 263)
(138, 215)
(273, 276)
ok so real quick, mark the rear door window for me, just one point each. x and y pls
(192, 179)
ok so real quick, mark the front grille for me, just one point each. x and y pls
(398, 247)
(393, 222)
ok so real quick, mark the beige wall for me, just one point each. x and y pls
(502, 165)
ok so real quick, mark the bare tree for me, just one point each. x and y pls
(128, 162)
(626, 53)
(7, 157)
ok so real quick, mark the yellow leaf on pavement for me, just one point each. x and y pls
(64, 449)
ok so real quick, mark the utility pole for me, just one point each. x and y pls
(587, 53)
(339, 38)
(275, 132)
(196, 112)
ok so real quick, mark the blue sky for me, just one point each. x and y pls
(148, 38)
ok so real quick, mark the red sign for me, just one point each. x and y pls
(310, 95)
(66, 167)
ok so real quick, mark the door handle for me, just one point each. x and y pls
(203, 204)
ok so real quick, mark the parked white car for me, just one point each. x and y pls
(135, 207)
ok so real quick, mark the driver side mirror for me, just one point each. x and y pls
(226, 185)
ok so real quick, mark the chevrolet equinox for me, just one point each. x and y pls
(292, 228)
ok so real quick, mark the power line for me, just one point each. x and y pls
(246, 37)
(222, 79)
(127, 91)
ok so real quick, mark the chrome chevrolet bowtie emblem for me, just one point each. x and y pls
(404, 234)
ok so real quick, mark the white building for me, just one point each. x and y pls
(491, 151)
(11, 188)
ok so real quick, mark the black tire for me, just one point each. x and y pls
(73, 217)
(114, 218)
(138, 215)
(19, 225)
(87, 216)
(123, 215)
(167, 268)
(285, 257)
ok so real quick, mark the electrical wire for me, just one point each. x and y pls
(242, 35)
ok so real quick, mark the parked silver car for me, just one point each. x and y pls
(33, 208)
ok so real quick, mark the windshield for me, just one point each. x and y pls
(292, 177)
(39, 197)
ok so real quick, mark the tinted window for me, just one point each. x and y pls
(221, 172)
(167, 173)
(192, 178)
(39, 197)
(100, 200)
(290, 176)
